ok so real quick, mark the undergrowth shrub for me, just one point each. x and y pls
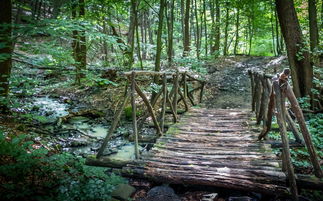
(27, 173)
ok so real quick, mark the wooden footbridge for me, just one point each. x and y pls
(213, 147)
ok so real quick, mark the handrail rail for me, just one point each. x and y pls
(171, 98)
(269, 93)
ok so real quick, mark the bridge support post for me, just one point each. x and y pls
(287, 163)
(114, 124)
(134, 115)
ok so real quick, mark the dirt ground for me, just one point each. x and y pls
(228, 81)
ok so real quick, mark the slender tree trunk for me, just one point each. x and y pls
(205, 28)
(76, 44)
(250, 26)
(183, 20)
(131, 33)
(197, 41)
(298, 56)
(83, 50)
(159, 35)
(278, 44)
(225, 46)
(6, 50)
(314, 34)
(237, 32)
(212, 12)
(217, 26)
(187, 29)
(170, 33)
(138, 41)
(273, 30)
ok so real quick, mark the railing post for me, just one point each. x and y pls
(162, 118)
(134, 116)
(280, 106)
(185, 84)
(306, 135)
(201, 92)
(175, 91)
(114, 124)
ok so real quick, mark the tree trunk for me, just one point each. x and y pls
(212, 12)
(159, 35)
(314, 34)
(205, 28)
(170, 33)
(237, 31)
(82, 54)
(76, 44)
(225, 46)
(187, 29)
(250, 33)
(217, 27)
(197, 32)
(6, 50)
(131, 33)
(278, 44)
(182, 19)
(298, 56)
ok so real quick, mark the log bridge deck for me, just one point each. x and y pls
(213, 147)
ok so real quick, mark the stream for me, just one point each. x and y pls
(82, 135)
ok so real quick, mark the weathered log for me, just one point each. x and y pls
(146, 115)
(134, 111)
(176, 87)
(171, 107)
(277, 144)
(293, 128)
(113, 125)
(258, 92)
(150, 108)
(162, 115)
(107, 162)
(264, 101)
(201, 92)
(306, 135)
(280, 106)
(267, 126)
(185, 85)
(184, 100)
(252, 83)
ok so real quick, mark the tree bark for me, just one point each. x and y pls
(187, 29)
(298, 56)
(197, 32)
(205, 28)
(6, 51)
(237, 31)
(217, 27)
(159, 35)
(170, 33)
(225, 46)
(314, 34)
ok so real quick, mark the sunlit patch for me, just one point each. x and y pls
(233, 113)
(223, 170)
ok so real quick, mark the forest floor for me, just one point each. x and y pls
(229, 83)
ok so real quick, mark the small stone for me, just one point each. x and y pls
(210, 197)
(123, 192)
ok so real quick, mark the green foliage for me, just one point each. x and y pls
(34, 173)
(300, 156)
(128, 112)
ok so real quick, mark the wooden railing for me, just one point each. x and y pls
(269, 96)
(179, 92)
